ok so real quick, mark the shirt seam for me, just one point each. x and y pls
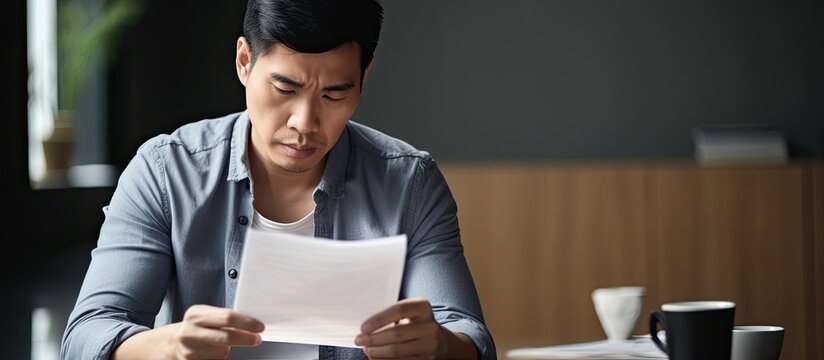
(417, 185)
(363, 142)
(190, 150)
(164, 196)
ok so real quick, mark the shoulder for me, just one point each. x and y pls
(374, 143)
(194, 137)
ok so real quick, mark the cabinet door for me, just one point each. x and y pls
(817, 240)
(539, 239)
(738, 234)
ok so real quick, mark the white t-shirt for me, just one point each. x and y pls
(275, 350)
(304, 227)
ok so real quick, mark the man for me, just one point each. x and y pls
(162, 278)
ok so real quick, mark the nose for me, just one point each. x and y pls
(305, 117)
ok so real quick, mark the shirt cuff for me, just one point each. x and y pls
(97, 339)
(479, 335)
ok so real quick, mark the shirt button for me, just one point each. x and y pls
(233, 273)
(330, 349)
(243, 220)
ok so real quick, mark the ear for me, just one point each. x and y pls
(243, 60)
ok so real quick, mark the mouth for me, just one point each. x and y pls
(297, 151)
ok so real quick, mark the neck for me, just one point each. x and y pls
(282, 195)
(275, 177)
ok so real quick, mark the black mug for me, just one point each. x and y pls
(695, 330)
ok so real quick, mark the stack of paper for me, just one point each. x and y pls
(639, 347)
(317, 291)
(739, 145)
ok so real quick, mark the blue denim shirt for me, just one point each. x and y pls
(174, 230)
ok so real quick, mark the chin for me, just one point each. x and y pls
(295, 169)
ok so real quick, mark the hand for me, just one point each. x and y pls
(206, 332)
(408, 330)
(415, 334)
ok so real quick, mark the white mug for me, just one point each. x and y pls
(757, 342)
(618, 309)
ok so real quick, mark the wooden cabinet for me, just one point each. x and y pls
(816, 280)
(539, 238)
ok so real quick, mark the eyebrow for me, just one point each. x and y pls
(340, 87)
(335, 87)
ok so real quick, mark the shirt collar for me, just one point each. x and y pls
(238, 168)
(334, 174)
(337, 161)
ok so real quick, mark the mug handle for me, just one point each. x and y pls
(654, 318)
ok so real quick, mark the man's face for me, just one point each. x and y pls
(298, 103)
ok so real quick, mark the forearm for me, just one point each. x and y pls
(155, 341)
(458, 346)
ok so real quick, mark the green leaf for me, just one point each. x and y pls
(83, 39)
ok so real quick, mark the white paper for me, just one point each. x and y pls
(317, 291)
(638, 347)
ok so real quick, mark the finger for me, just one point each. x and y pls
(241, 338)
(413, 357)
(397, 334)
(407, 308)
(410, 349)
(200, 336)
(217, 317)
(204, 352)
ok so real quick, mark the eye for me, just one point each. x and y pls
(333, 99)
(282, 91)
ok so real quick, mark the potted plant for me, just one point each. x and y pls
(82, 40)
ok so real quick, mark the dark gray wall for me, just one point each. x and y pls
(516, 80)
(581, 79)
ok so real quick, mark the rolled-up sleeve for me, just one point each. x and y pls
(130, 268)
(436, 268)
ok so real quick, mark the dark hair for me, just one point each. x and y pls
(313, 26)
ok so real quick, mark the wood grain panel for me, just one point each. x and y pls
(539, 239)
(736, 234)
(817, 182)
